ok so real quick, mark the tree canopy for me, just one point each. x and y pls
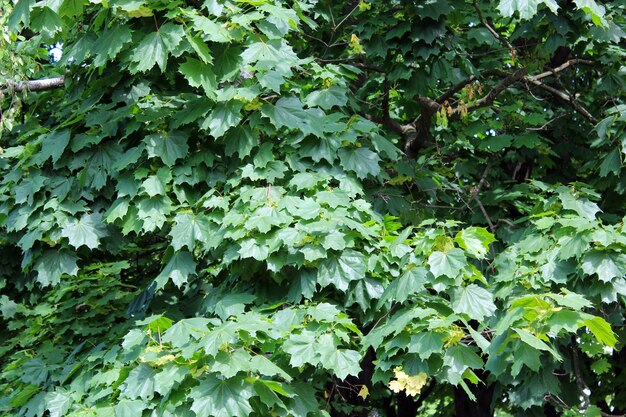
(240, 208)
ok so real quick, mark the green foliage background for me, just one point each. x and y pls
(261, 207)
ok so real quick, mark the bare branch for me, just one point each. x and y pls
(560, 68)
(458, 87)
(571, 100)
(34, 85)
(491, 96)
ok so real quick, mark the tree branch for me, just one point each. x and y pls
(417, 133)
(491, 96)
(560, 68)
(566, 98)
(458, 87)
(34, 85)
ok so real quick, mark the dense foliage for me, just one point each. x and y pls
(312, 208)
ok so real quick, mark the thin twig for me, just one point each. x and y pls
(306, 35)
(493, 32)
(483, 178)
(332, 17)
(566, 98)
(475, 192)
(543, 127)
(347, 17)
(580, 382)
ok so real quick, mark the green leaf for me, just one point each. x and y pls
(240, 140)
(139, 383)
(525, 355)
(179, 268)
(152, 212)
(168, 147)
(334, 240)
(425, 344)
(170, 377)
(8, 307)
(190, 229)
(342, 362)
(350, 266)
(202, 50)
(410, 282)
(459, 358)
(267, 395)
(155, 47)
(601, 330)
(264, 366)
(218, 398)
(117, 211)
(226, 333)
(474, 301)
(46, 21)
(306, 208)
(580, 205)
(301, 349)
(251, 248)
(448, 263)
(157, 184)
(212, 31)
(564, 320)
(533, 341)
(229, 364)
(129, 408)
(594, 9)
(526, 8)
(289, 113)
(199, 74)
(572, 300)
(475, 240)
(20, 398)
(150, 51)
(233, 304)
(601, 366)
(58, 403)
(265, 54)
(110, 43)
(53, 265)
(272, 80)
(20, 14)
(87, 231)
(53, 146)
(328, 98)
(607, 265)
(360, 160)
(223, 117)
(182, 331)
(611, 163)
(573, 246)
